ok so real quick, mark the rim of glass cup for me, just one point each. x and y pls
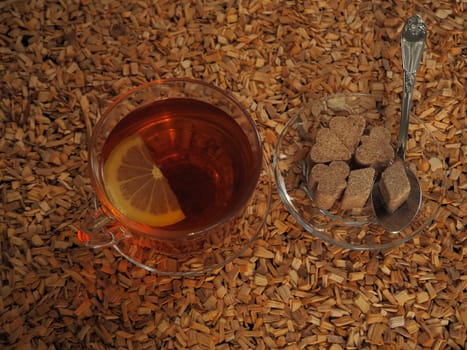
(94, 165)
(285, 197)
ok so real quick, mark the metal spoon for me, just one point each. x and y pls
(412, 45)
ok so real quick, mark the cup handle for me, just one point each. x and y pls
(101, 230)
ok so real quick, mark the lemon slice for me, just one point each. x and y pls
(137, 187)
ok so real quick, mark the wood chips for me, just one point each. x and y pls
(61, 62)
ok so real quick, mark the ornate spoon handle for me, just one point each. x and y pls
(412, 45)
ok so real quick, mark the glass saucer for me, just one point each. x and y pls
(356, 228)
(208, 253)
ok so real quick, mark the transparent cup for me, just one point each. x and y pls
(182, 133)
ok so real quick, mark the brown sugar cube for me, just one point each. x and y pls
(394, 186)
(328, 147)
(375, 149)
(358, 188)
(327, 183)
(320, 172)
(348, 130)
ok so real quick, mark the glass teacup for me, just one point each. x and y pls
(175, 165)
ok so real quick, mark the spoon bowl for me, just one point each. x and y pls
(403, 216)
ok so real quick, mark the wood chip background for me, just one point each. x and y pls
(61, 62)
